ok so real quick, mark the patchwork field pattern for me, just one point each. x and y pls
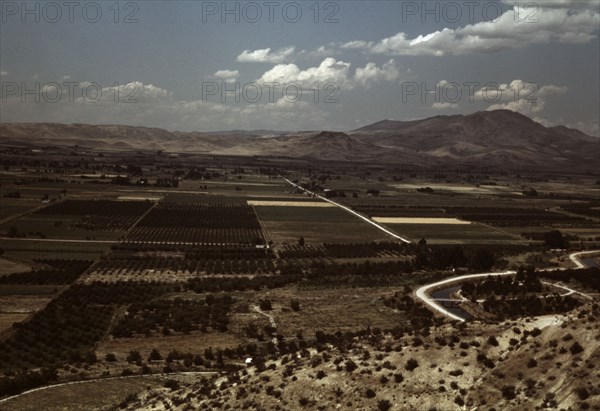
(199, 224)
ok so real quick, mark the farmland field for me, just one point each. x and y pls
(330, 310)
(454, 233)
(316, 225)
(384, 217)
(113, 280)
(420, 220)
(11, 207)
(266, 203)
(31, 249)
(199, 223)
(85, 395)
(11, 266)
(79, 219)
(193, 343)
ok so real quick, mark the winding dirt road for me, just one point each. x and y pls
(270, 317)
(94, 380)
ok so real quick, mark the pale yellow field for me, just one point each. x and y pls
(10, 267)
(289, 203)
(136, 198)
(419, 220)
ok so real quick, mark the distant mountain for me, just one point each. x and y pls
(499, 138)
(387, 125)
(250, 132)
(115, 137)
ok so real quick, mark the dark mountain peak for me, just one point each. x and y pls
(495, 116)
(385, 125)
(502, 115)
(331, 134)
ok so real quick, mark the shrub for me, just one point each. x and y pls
(582, 393)
(370, 393)
(411, 364)
(508, 392)
(266, 305)
(576, 348)
(482, 358)
(134, 356)
(90, 358)
(316, 361)
(492, 341)
(351, 366)
(154, 355)
(532, 363)
(131, 398)
(172, 384)
(384, 405)
(535, 332)
(295, 305)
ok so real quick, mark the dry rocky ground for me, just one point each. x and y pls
(548, 362)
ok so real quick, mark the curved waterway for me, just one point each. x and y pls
(446, 293)
(589, 262)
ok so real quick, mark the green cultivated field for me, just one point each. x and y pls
(454, 233)
(14, 206)
(45, 224)
(157, 284)
(316, 225)
(39, 249)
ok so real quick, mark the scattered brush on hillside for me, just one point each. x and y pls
(510, 366)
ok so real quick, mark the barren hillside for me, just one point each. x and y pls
(547, 363)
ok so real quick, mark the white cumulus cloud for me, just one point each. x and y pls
(148, 105)
(266, 55)
(229, 76)
(521, 96)
(371, 73)
(331, 70)
(562, 21)
(444, 106)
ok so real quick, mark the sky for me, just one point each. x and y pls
(297, 65)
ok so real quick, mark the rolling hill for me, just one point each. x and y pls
(495, 138)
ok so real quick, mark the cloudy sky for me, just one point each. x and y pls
(184, 65)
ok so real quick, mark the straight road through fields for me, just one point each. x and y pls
(351, 211)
